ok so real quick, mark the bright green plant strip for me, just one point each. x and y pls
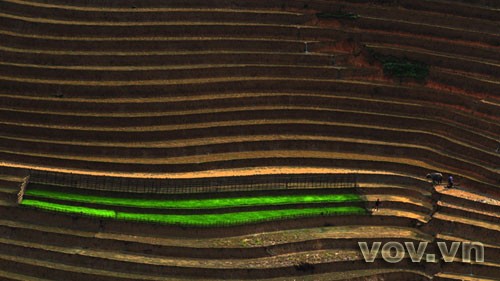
(69, 209)
(197, 219)
(240, 217)
(208, 203)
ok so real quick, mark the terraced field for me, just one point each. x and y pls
(210, 210)
(177, 92)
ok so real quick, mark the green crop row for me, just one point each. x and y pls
(102, 213)
(201, 220)
(206, 203)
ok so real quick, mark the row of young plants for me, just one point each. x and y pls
(109, 206)
(197, 220)
(194, 203)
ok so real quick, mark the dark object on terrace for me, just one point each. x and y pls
(450, 182)
(304, 267)
(337, 15)
(437, 178)
(377, 204)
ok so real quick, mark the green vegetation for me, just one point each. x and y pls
(406, 69)
(403, 67)
(206, 203)
(239, 217)
(102, 213)
(108, 207)
(337, 15)
(225, 219)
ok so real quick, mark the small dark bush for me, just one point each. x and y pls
(406, 70)
(403, 67)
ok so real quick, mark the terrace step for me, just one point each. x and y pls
(247, 247)
(444, 276)
(232, 103)
(468, 212)
(450, 237)
(145, 45)
(9, 189)
(156, 104)
(476, 83)
(483, 271)
(140, 16)
(247, 241)
(417, 16)
(363, 88)
(469, 199)
(481, 3)
(129, 123)
(470, 221)
(372, 188)
(490, 262)
(393, 198)
(188, 154)
(460, 8)
(138, 60)
(6, 202)
(54, 269)
(58, 271)
(420, 28)
(113, 107)
(12, 174)
(163, 74)
(175, 4)
(467, 64)
(146, 149)
(71, 106)
(230, 160)
(14, 276)
(98, 30)
(419, 216)
(428, 43)
(6, 177)
(147, 264)
(261, 84)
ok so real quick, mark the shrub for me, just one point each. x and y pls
(403, 67)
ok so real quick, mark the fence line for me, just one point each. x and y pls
(200, 185)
